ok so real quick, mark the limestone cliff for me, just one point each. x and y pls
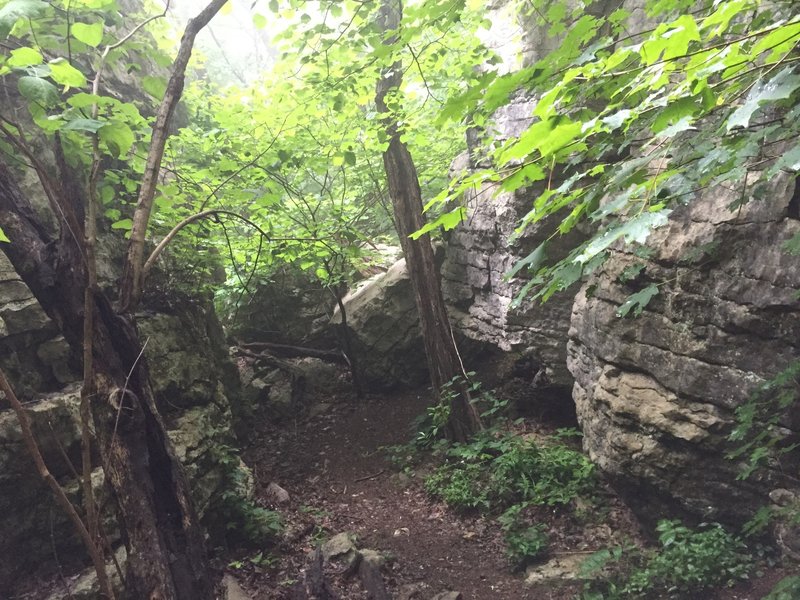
(656, 394)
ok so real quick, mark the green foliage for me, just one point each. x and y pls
(637, 123)
(692, 560)
(757, 433)
(787, 588)
(524, 542)
(495, 472)
(430, 426)
(461, 486)
(507, 474)
(688, 562)
(245, 521)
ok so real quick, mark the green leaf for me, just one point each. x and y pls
(636, 230)
(38, 90)
(89, 34)
(675, 112)
(616, 120)
(683, 125)
(118, 137)
(155, 86)
(124, 224)
(790, 161)
(16, 10)
(259, 20)
(637, 302)
(24, 57)
(532, 261)
(65, 74)
(448, 220)
(522, 177)
(90, 125)
(3, 236)
(778, 88)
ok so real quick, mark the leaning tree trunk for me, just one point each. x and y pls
(166, 551)
(443, 360)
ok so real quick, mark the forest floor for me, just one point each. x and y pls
(335, 468)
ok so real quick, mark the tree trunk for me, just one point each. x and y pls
(442, 355)
(166, 551)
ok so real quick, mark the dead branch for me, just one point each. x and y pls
(272, 361)
(368, 477)
(61, 497)
(131, 289)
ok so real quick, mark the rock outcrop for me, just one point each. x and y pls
(33, 355)
(195, 383)
(484, 248)
(656, 394)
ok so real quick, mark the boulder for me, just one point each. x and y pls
(656, 394)
(382, 317)
(287, 309)
(341, 549)
(559, 571)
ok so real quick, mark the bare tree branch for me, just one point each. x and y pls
(33, 449)
(131, 289)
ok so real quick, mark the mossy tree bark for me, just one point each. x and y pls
(166, 550)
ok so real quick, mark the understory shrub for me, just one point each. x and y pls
(787, 588)
(688, 562)
(523, 542)
(494, 473)
(508, 473)
(429, 426)
(245, 522)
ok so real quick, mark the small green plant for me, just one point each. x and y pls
(430, 426)
(787, 588)
(692, 560)
(688, 562)
(524, 542)
(244, 520)
(459, 485)
(496, 472)
(757, 432)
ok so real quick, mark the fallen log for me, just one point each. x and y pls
(289, 351)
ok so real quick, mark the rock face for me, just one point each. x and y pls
(27, 511)
(194, 381)
(32, 353)
(483, 249)
(286, 310)
(656, 394)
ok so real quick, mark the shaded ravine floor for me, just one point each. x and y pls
(339, 480)
(336, 471)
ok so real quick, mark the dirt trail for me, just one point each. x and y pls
(333, 465)
(339, 480)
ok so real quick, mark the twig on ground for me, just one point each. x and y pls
(368, 477)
